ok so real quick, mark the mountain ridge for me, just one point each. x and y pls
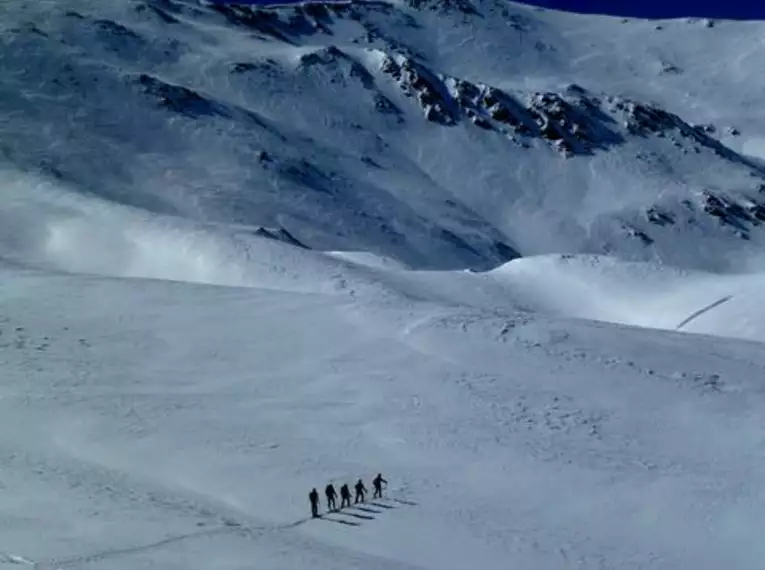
(352, 126)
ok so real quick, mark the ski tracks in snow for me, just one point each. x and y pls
(113, 553)
(228, 527)
(693, 316)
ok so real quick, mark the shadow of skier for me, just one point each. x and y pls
(357, 515)
(339, 521)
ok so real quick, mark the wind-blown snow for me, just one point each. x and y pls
(245, 253)
(176, 426)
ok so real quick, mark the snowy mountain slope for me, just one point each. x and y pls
(247, 252)
(84, 236)
(436, 136)
(638, 294)
(180, 426)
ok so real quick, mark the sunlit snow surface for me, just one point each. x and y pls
(151, 424)
(176, 374)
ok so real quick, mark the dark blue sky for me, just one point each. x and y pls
(735, 9)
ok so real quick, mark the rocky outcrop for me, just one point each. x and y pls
(633, 232)
(740, 212)
(346, 67)
(195, 104)
(282, 24)
(425, 86)
(659, 216)
(279, 234)
(443, 6)
(649, 120)
(642, 119)
(572, 123)
(179, 98)
(499, 107)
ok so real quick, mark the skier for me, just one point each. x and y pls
(345, 496)
(331, 494)
(313, 496)
(360, 491)
(377, 483)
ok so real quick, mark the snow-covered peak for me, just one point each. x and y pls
(444, 135)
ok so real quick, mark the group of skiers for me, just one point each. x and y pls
(345, 495)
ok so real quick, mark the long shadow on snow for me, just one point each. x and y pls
(340, 521)
(365, 509)
(356, 515)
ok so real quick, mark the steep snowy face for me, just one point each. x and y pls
(440, 134)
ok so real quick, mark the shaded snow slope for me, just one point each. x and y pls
(442, 136)
(180, 426)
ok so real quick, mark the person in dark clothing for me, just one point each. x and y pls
(345, 496)
(331, 494)
(360, 491)
(313, 496)
(377, 483)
